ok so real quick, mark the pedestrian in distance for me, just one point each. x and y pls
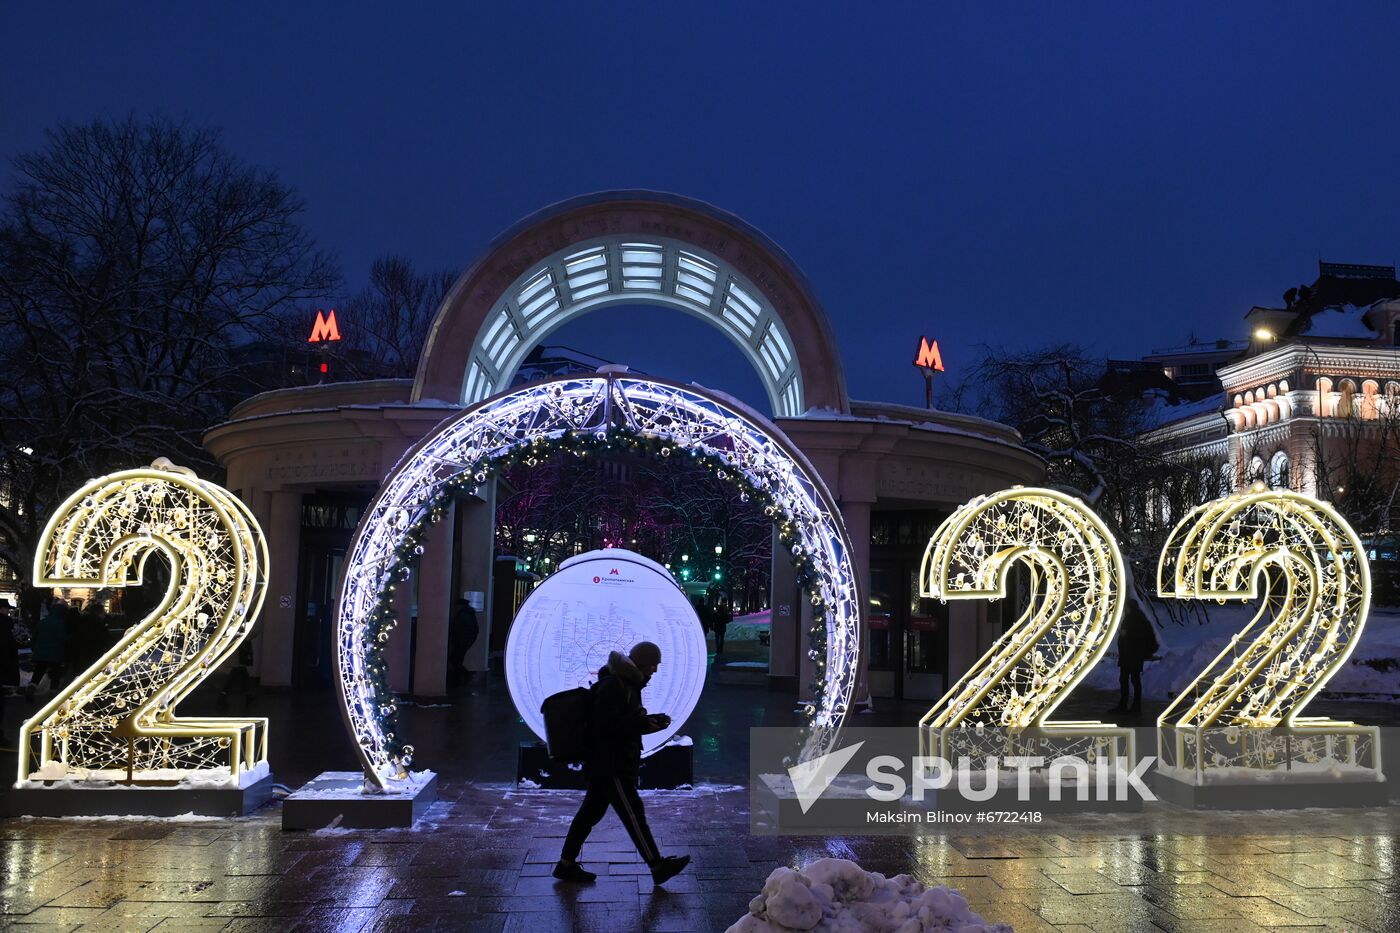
(47, 647)
(720, 617)
(9, 662)
(462, 633)
(702, 612)
(1137, 644)
(614, 762)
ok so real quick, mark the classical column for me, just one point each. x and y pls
(785, 637)
(280, 518)
(476, 556)
(965, 619)
(857, 518)
(435, 606)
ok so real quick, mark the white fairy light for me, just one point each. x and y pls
(1077, 590)
(1307, 567)
(595, 408)
(117, 719)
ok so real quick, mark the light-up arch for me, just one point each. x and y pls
(633, 247)
(601, 407)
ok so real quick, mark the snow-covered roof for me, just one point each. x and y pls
(1160, 410)
(1340, 321)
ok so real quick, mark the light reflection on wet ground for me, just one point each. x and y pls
(481, 859)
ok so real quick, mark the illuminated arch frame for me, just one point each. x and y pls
(595, 410)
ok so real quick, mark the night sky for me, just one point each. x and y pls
(1006, 175)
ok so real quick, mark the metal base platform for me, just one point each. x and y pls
(137, 800)
(339, 798)
(1270, 795)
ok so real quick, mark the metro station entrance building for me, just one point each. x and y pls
(307, 460)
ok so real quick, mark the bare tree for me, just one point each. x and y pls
(137, 258)
(386, 324)
(1056, 398)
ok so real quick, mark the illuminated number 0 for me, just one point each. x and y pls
(117, 719)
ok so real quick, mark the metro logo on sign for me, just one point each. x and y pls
(325, 328)
(612, 572)
(929, 357)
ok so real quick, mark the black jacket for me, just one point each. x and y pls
(1136, 640)
(619, 720)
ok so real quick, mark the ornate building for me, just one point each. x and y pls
(1311, 403)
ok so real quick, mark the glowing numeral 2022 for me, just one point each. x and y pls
(1315, 596)
(117, 719)
(1077, 591)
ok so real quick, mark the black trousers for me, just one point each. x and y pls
(54, 670)
(622, 796)
(1123, 678)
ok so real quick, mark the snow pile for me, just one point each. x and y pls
(57, 774)
(1347, 321)
(835, 895)
(1186, 650)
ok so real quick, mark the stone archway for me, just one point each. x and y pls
(633, 247)
(454, 460)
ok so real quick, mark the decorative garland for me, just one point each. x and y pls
(469, 481)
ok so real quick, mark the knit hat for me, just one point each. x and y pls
(644, 653)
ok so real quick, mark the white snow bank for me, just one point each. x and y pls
(190, 817)
(55, 774)
(835, 895)
(1185, 651)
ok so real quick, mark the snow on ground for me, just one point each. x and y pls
(747, 627)
(835, 895)
(1187, 649)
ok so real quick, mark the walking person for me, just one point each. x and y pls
(239, 678)
(618, 723)
(9, 663)
(1136, 644)
(702, 612)
(47, 647)
(462, 633)
(720, 617)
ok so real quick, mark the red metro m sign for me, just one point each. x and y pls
(929, 358)
(325, 328)
(929, 361)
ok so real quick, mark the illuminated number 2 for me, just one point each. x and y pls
(1077, 588)
(117, 719)
(1310, 569)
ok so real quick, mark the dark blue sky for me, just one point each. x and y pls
(1008, 175)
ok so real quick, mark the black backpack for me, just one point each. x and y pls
(567, 724)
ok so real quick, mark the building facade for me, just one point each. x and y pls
(1311, 402)
(308, 459)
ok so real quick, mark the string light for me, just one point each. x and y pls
(1077, 590)
(1307, 567)
(580, 415)
(117, 719)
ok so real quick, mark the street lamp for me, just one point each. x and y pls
(719, 549)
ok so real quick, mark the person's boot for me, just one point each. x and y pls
(663, 870)
(573, 871)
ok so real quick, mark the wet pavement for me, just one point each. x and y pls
(480, 860)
